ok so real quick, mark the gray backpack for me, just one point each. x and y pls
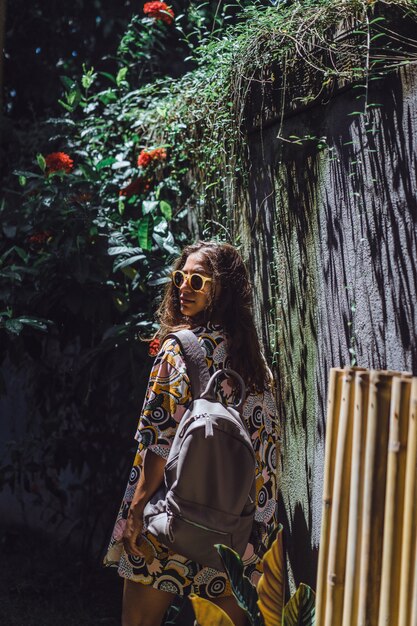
(209, 494)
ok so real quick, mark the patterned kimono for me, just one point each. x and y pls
(167, 398)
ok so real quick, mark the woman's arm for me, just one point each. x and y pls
(150, 479)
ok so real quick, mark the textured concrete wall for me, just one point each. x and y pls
(329, 226)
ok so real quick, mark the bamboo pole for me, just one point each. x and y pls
(413, 615)
(332, 423)
(340, 510)
(394, 502)
(409, 542)
(374, 497)
(350, 601)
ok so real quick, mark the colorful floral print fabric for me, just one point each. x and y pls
(167, 398)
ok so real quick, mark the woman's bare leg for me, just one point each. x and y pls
(231, 607)
(143, 605)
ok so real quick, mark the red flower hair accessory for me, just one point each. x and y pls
(159, 11)
(154, 346)
(58, 162)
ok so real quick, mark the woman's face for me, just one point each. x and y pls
(194, 302)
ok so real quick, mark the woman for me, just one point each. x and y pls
(210, 294)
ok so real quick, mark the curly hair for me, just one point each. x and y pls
(230, 306)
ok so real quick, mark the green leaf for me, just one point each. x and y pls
(107, 96)
(73, 98)
(117, 165)
(145, 232)
(377, 36)
(174, 614)
(166, 243)
(243, 590)
(41, 161)
(13, 326)
(301, 610)
(158, 239)
(166, 209)
(22, 253)
(89, 172)
(27, 174)
(160, 225)
(68, 83)
(105, 163)
(149, 206)
(130, 272)
(377, 19)
(121, 75)
(86, 81)
(155, 282)
(109, 76)
(35, 322)
(66, 106)
(22, 181)
(126, 262)
(123, 250)
(88, 77)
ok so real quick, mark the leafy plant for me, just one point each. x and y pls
(263, 605)
(208, 613)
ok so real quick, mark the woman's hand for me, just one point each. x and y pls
(132, 533)
(150, 479)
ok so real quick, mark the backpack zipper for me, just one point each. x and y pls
(220, 532)
(209, 426)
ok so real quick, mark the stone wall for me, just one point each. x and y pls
(329, 226)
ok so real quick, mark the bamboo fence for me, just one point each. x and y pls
(367, 571)
(332, 423)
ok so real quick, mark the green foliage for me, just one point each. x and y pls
(299, 611)
(84, 252)
(243, 590)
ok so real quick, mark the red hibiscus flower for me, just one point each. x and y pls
(148, 156)
(154, 346)
(59, 162)
(159, 11)
(140, 185)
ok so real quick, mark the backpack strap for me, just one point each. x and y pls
(195, 361)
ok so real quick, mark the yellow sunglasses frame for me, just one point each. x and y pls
(187, 277)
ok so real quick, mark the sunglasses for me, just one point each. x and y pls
(196, 281)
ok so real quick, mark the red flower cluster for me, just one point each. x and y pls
(40, 238)
(147, 156)
(58, 162)
(160, 11)
(140, 185)
(154, 346)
